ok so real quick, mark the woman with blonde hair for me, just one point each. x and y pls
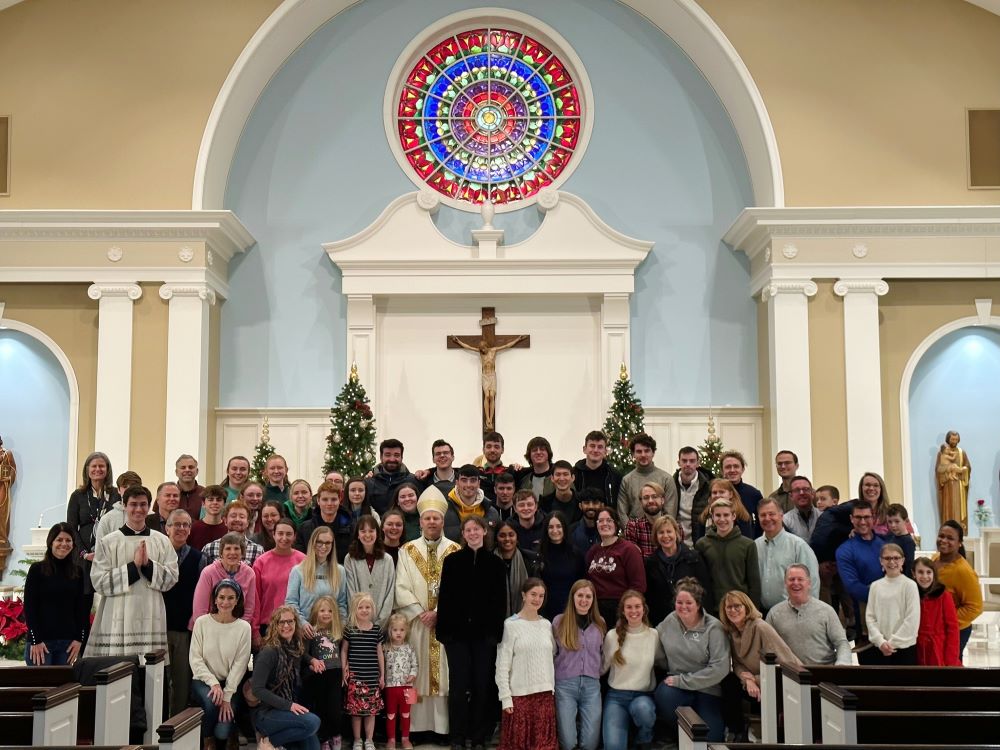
(670, 562)
(319, 574)
(579, 633)
(723, 489)
(749, 639)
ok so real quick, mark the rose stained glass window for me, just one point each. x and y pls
(489, 113)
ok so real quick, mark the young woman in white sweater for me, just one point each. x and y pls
(526, 675)
(893, 613)
(220, 652)
(630, 651)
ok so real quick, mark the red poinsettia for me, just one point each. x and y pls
(12, 624)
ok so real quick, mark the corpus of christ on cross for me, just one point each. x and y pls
(486, 346)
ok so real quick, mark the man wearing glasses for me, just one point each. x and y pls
(801, 519)
(786, 464)
(858, 561)
(178, 601)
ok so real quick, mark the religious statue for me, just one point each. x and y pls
(953, 470)
(8, 473)
(487, 346)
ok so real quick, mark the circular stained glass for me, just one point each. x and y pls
(489, 113)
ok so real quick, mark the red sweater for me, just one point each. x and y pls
(937, 639)
(615, 569)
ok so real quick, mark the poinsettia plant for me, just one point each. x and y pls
(12, 628)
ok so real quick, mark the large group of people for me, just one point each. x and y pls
(562, 603)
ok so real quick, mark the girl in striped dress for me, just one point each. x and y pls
(364, 668)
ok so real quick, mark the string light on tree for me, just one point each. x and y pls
(626, 418)
(711, 450)
(350, 446)
(263, 451)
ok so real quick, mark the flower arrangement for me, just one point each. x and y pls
(983, 514)
(12, 629)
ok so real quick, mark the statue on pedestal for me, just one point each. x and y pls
(953, 470)
(8, 473)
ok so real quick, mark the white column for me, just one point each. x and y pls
(361, 346)
(863, 375)
(615, 322)
(114, 369)
(187, 371)
(788, 365)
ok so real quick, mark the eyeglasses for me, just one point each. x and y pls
(286, 622)
(893, 558)
(322, 544)
(733, 607)
(179, 525)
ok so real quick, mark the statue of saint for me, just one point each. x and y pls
(8, 473)
(953, 470)
(488, 357)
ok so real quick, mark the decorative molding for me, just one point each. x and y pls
(789, 286)
(871, 286)
(201, 291)
(294, 21)
(789, 251)
(115, 254)
(984, 308)
(547, 199)
(97, 291)
(210, 258)
(860, 250)
(185, 255)
(3, 305)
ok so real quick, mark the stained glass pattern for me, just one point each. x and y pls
(489, 113)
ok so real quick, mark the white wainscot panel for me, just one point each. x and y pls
(297, 434)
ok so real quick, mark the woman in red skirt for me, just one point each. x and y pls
(526, 675)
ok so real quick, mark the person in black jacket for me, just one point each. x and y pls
(472, 605)
(593, 471)
(672, 561)
(691, 481)
(388, 475)
(92, 499)
(328, 512)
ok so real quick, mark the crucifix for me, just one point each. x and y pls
(486, 346)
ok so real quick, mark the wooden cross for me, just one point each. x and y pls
(486, 346)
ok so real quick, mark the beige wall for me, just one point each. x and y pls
(65, 314)
(149, 386)
(108, 100)
(909, 313)
(828, 388)
(867, 98)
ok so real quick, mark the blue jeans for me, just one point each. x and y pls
(210, 724)
(57, 656)
(288, 729)
(963, 639)
(622, 708)
(707, 706)
(578, 699)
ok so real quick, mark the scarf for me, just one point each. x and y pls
(517, 574)
(297, 518)
(286, 674)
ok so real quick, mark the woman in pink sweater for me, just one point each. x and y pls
(230, 564)
(271, 570)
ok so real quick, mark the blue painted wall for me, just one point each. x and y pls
(956, 386)
(34, 424)
(663, 164)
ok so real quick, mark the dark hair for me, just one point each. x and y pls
(52, 566)
(127, 479)
(357, 549)
(492, 437)
(561, 464)
(133, 491)
(287, 522)
(897, 509)
(538, 442)
(505, 478)
(936, 588)
(225, 482)
(228, 583)
(394, 498)
(366, 504)
(215, 490)
(439, 443)
(829, 488)
(641, 439)
(481, 523)
(389, 443)
(264, 537)
(614, 517)
(533, 582)
(953, 524)
(688, 449)
(108, 477)
(506, 523)
(800, 478)
(790, 453)
(862, 505)
(590, 495)
(595, 436)
(547, 546)
(468, 470)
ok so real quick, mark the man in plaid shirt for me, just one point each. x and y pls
(639, 530)
(237, 521)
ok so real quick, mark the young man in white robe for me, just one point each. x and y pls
(132, 568)
(418, 577)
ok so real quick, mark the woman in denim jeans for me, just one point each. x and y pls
(579, 633)
(630, 652)
(277, 684)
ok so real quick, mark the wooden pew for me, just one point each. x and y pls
(770, 697)
(692, 732)
(848, 713)
(33, 716)
(155, 662)
(800, 688)
(181, 732)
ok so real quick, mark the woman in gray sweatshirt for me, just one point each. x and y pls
(697, 652)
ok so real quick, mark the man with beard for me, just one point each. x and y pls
(639, 531)
(388, 475)
(584, 532)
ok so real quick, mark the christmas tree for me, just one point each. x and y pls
(350, 446)
(263, 451)
(711, 450)
(625, 419)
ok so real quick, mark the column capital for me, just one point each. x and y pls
(201, 291)
(773, 288)
(878, 287)
(98, 290)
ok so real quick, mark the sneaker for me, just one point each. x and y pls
(369, 745)
(358, 745)
(407, 745)
(390, 745)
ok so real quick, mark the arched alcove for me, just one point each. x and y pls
(950, 383)
(39, 401)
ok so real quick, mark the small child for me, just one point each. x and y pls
(896, 519)
(364, 668)
(937, 639)
(323, 683)
(826, 497)
(400, 673)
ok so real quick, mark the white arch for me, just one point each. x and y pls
(71, 382)
(294, 21)
(992, 321)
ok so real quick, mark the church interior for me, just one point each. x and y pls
(783, 216)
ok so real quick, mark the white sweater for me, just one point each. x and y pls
(525, 659)
(893, 613)
(641, 650)
(220, 653)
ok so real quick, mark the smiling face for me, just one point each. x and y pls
(407, 499)
(187, 471)
(253, 496)
(62, 545)
(666, 538)
(97, 471)
(443, 456)
(583, 600)
(686, 607)
(492, 451)
(237, 520)
(555, 530)
(732, 469)
(324, 615)
(328, 503)
(786, 465)
(797, 585)
(431, 524)
(392, 459)
(136, 510)
(213, 505)
(356, 492)
(595, 451)
(269, 516)
(633, 608)
(284, 537)
(506, 540)
(923, 575)
(300, 496)
(719, 492)
(534, 598)
(948, 542)
(736, 612)
(871, 489)
(367, 535)
(231, 555)
(473, 534)
(336, 479)
(225, 600)
(286, 625)
(652, 501)
(770, 517)
(723, 518)
(468, 489)
(167, 499)
(526, 508)
(606, 527)
(276, 470)
(323, 546)
(892, 562)
(363, 611)
(861, 521)
(392, 529)
(802, 494)
(562, 479)
(179, 529)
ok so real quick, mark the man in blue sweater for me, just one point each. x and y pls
(858, 562)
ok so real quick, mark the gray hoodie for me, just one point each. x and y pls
(698, 658)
